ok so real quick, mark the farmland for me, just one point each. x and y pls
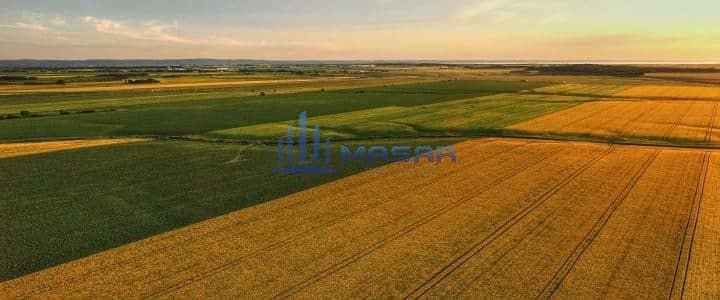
(466, 116)
(673, 92)
(486, 236)
(565, 186)
(21, 149)
(659, 114)
(187, 114)
(687, 121)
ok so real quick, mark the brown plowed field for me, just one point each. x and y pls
(512, 218)
(688, 121)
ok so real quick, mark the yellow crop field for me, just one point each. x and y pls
(666, 91)
(692, 121)
(582, 89)
(637, 250)
(629, 217)
(29, 148)
(702, 262)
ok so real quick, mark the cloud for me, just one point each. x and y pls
(154, 31)
(30, 26)
(497, 10)
(59, 21)
(148, 32)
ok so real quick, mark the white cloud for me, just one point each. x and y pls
(59, 21)
(496, 10)
(146, 32)
(154, 31)
(30, 26)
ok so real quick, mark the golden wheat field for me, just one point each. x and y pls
(28, 148)
(668, 91)
(582, 89)
(512, 218)
(691, 121)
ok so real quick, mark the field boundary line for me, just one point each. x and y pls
(468, 254)
(327, 272)
(317, 228)
(677, 121)
(585, 243)
(682, 264)
(708, 134)
(247, 221)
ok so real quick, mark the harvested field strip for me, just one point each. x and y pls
(480, 228)
(703, 267)
(635, 253)
(29, 148)
(680, 92)
(668, 121)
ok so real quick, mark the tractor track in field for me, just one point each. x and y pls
(477, 247)
(319, 276)
(677, 121)
(678, 287)
(313, 230)
(708, 133)
(571, 260)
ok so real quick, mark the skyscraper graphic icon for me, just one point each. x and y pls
(289, 164)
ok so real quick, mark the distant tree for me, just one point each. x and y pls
(25, 113)
(262, 93)
(60, 81)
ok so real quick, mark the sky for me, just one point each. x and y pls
(637, 30)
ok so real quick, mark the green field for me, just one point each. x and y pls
(186, 117)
